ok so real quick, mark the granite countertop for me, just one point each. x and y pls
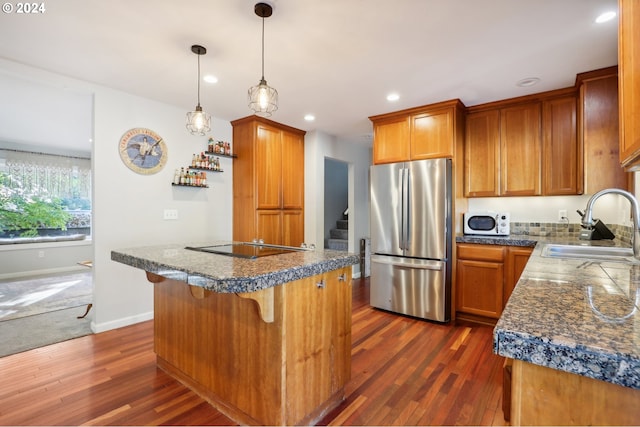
(574, 315)
(221, 273)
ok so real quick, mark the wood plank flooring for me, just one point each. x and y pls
(404, 372)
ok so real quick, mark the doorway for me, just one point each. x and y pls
(336, 204)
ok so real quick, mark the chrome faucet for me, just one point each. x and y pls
(587, 219)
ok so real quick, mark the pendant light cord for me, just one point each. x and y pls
(198, 79)
(263, 48)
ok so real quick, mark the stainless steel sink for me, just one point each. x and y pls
(595, 253)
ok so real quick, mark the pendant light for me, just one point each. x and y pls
(198, 121)
(263, 99)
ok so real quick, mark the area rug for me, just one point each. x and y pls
(40, 330)
(44, 294)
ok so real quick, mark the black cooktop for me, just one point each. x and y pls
(243, 250)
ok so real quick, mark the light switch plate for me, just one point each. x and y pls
(170, 214)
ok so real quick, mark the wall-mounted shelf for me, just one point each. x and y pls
(189, 185)
(204, 169)
(230, 156)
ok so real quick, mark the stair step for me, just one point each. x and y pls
(338, 233)
(343, 224)
(338, 244)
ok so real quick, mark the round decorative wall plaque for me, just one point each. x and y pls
(143, 151)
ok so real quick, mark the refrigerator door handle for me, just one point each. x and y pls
(401, 245)
(405, 208)
(437, 266)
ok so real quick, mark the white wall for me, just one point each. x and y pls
(319, 145)
(128, 207)
(611, 209)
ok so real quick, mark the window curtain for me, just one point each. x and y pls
(56, 175)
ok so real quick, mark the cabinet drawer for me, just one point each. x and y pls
(481, 252)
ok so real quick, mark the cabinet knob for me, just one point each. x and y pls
(342, 278)
(320, 284)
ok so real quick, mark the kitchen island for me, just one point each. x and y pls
(572, 332)
(267, 341)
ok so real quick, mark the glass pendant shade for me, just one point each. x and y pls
(263, 99)
(198, 121)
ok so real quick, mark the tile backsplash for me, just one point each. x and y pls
(554, 229)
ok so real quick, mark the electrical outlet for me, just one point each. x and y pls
(171, 214)
(40, 254)
(562, 214)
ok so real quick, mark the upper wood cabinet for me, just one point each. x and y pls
(482, 154)
(629, 79)
(520, 150)
(427, 132)
(524, 146)
(599, 130)
(562, 154)
(268, 182)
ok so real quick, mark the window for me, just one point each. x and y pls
(44, 194)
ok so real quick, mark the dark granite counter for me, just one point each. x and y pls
(221, 273)
(573, 315)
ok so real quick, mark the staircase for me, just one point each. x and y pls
(339, 236)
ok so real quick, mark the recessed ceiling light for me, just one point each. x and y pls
(393, 97)
(529, 81)
(309, 117)
(210, 78)
(604, 17)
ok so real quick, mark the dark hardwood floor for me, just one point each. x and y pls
(404, 372)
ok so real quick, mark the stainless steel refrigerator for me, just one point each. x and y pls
(411, 231)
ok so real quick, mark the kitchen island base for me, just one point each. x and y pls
(545, 396)
(277, 356)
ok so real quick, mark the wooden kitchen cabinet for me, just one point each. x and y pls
(599, 131)
(524, 146)
(480, 279)
(268, 182)
(629, 80)
(517, 257)
(482, 154)
(427, 132)
(485, 278)
(562, 154)
(520, 150)
(391, 140)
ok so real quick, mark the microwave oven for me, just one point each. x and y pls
(486, 223)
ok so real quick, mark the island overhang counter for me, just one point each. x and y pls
(266, 341)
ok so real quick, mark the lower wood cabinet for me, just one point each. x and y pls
(485, 278)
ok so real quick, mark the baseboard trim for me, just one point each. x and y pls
(42, 272)
(120, 323)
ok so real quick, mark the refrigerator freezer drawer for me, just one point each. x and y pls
(414, 287)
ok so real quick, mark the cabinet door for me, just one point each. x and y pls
(629, 78)
(292, 171)
(517, 258)
(480, 287)
(520, 150)
(432, 135)
(268, 163)
(562, 157)
(292, 227)
(600, 134)
(391, 140)
(269, 226)
(482, 154)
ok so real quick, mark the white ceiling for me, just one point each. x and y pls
(336, 59)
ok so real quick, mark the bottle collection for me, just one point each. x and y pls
(204, 161)
(192, 176)
(219, 147)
